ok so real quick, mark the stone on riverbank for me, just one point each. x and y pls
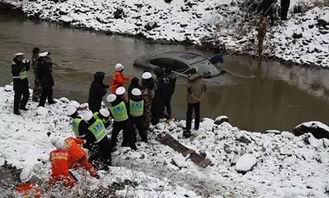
(246, 163)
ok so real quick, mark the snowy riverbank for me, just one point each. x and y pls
(303, 39)
(286, 166)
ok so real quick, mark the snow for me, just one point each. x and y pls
(245, 163)
(192, 21)
(42, 111)
(287, 165)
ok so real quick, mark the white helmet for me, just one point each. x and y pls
(120, 91)
(104, 112)
(136, 92)
(119, 67)
(88, 116)
(26, 175)
(111, 97)
(71, 109)
(43, 54)
(58, 142)
(146, 75)
(19, 54)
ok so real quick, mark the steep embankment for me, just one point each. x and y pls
(282, 165)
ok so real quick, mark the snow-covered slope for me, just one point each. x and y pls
(192, 21)
(286, 166)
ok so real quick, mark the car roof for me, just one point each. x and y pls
(185, 57)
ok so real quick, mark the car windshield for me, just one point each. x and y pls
(206, 68)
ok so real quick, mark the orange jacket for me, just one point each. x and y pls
(59, 162)
(118, 80)
(74, 149)
(29, 190)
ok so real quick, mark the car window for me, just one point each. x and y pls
(162, 62)
(180, 67)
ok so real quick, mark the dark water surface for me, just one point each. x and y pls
(255, 96)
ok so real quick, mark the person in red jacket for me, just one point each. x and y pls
(78, 157)
(118, 79)
(27, 188)
(59, 159)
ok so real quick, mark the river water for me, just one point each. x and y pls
(255, 95)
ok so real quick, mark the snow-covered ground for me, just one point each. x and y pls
(192, 21)
(282, 165)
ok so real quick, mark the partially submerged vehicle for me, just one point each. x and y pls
(182, 63)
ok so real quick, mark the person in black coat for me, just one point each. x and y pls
(284, 9)
(167, 84)
(96, 92)
(157, 102)
(19, 69)
(134, 84)
(44, 69)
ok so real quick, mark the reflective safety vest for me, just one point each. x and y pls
(75, 127)
(119, 112)
(98, 130)
(96, 116)
(22, 75)
(136, 108)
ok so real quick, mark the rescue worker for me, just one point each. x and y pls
(118, 110)
(59, 159)
(195, 89)
(37, 87)
(103, 115)
(77, 156)
(100, 152)
(148, 95)
(266, 8)
(157, 102)
(96, 92)
(44, 68)
(133, 84)
(136, 111)
(27, 188)
(19, 69)
(78, 125)
(118, 79)
(121, 93)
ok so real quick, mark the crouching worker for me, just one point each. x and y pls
(100, 152)
(59, 159)
(136, 111)
(119, 113)
(27, 188)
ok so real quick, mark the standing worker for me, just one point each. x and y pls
(96, 92)
(27, 188)
(195, 89)
(118, 79)
(100, 152)
(136, 111)
(77, 156)
(148, 95)
(118, 110)
(168, 81)
(37, 87)
(59, 159)
(19, 69)
(78, 125)
(157, 102)
(44, 68)
(133, 84)
(121, 93)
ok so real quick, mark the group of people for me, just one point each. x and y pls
(129, 105)
(43, 83)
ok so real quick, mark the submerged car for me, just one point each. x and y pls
(181, 63)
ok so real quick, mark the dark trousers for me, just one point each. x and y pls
(129, 137)
(167, 106)
(190, 108)
(100, 154)
(138, 123)
(20, 102)
(284, 9)
(47, 92)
